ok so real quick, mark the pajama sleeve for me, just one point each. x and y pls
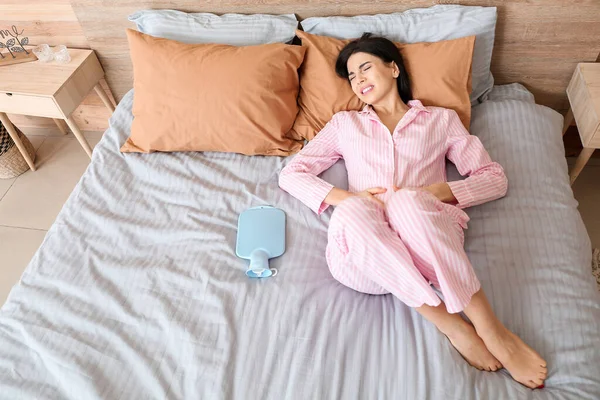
(299, 178)
(486, 180)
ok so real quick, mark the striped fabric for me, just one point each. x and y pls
(414, 240)
(413, 156)
(402, 249)
(136, 292)
(231, 29)
(440, 22)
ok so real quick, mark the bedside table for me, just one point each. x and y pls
(584, 97)
(50, 90)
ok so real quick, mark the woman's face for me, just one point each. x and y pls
(371, 78)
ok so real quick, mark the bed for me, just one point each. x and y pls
(136, 291)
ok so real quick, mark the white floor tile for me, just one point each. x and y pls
(5, 184)
(17, 247)
(35, 198)
(36, 141)
(51, 130)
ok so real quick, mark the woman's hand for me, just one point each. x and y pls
(440, 190)
(369, 194)
(336, 195)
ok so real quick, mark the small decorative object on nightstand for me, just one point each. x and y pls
(50, 90)
(15, 47)
(584, 97)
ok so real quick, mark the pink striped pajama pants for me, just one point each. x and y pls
(415, 241)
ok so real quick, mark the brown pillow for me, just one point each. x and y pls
(439, 73)
(213, 97)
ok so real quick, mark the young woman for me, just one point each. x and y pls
(399, 228)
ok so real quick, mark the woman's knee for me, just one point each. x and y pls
(355, 218)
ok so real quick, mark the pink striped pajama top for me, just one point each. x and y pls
(412, 156)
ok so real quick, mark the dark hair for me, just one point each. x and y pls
(382, 48)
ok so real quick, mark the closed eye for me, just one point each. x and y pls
(366, 65)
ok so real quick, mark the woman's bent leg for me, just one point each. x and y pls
(370, 248)
(435, 241)
(462, 335)
(524, 364)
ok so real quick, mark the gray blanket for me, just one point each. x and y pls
(136, 292)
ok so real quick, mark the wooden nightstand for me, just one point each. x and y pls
(584, 97)
(50, 90)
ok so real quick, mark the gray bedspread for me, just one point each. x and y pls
(136, 292)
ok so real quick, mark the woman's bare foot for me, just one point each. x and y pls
(464, 338)
(524, 364)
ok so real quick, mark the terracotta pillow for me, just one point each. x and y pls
(213, 97)
(439, 73)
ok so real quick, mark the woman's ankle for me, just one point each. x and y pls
(491, 331)
(453, 326)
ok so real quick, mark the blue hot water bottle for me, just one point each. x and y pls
(260, 236)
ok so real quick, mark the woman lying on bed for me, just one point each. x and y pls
(399, 228)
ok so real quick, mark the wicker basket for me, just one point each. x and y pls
(12, 163)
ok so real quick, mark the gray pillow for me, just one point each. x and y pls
(231, 29)
(442, 22)
(512, 91)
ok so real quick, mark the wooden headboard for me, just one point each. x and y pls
(538, 42)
